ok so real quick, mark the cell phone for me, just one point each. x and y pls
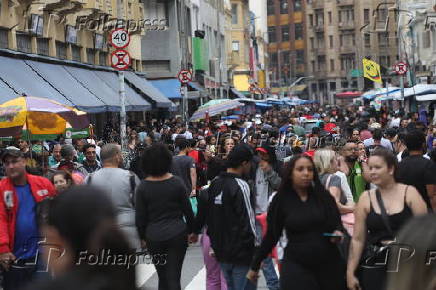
(331, 235)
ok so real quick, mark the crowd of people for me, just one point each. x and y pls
(326, 193)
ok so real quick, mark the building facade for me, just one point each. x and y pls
(239, 42)
(286, 44)
(70, 30)
(340, 34)
(418, 37)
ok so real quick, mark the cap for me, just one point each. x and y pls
(12, 153)
(261, 149)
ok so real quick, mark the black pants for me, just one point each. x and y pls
(294, 275)
(18, 276)
(168, 259)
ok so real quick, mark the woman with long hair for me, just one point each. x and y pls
(83, 243)
(417, 270)
(162, 206)
(62, 180)
(379, 215)
(311, 220)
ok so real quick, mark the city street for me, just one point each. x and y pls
(193, 273)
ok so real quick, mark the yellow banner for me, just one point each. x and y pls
(371, 70)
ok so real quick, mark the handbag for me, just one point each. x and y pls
(376, 248)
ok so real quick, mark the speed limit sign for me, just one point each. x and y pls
(120, 38)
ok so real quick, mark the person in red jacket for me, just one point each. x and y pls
(20, 195)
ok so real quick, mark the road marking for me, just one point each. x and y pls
(199, 281)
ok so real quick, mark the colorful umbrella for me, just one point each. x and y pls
(40, 116)
(215, 107)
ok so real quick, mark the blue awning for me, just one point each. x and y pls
(134, 101)
(20, 76)
(65, 83)
(6, 93)
(148, 89)
(90, 80)
(169, 87)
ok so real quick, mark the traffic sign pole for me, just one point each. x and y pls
(123, 116)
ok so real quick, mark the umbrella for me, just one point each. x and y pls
(349, 94)
(39, 116)
(215, 107)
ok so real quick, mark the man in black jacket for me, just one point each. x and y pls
(230, 219)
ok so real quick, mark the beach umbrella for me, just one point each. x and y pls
(215, 107)
(39, 116)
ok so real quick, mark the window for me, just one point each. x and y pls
(23, 43)
(235, 46)
(102, 58)
(234, 13)
(385, 60)
(75, 51)
(348, 62)
(426, 39)
(366, 15)
(383, 39)
(298, 31)
(272, 34)
(90, 55)
(270, 8)
(312, 42)
(285, 32)
(341, 40)
(313, 65)
(61, 50)
(332, 65)
(331, 41)
(300, 57)
(319, 19)
(321, 62)
(311, 20)
(297, 5)
(284, 7)
(330, 18)
(274, 59)
(333, 86)
(320, 40)
(367, 39)
(42, 44)
(4, 38)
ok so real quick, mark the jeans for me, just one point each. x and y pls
(268, 270)
(236, 277)
(170, 268)
(214, 276)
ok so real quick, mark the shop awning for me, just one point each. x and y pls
(134, 101)
(196, 86)
(429, 97)
(237, 93)
(90, 80)
(65, 83)
(6, 93)
(148, 89)
(298, 88)
(18, 75)
(169, 87)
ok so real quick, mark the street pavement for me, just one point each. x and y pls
(193, 273)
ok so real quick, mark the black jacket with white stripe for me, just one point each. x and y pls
(230, 219)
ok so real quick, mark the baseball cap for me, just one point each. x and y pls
(12, 152)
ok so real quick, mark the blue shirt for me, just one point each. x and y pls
(26, 228)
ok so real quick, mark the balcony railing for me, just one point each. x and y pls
(346, 25)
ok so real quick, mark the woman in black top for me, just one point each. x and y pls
(400, 201)
(308, 214)
(162, 205)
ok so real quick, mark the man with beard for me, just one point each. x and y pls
(355, 170)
